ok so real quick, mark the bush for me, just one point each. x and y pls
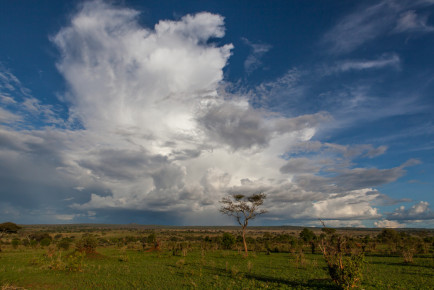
(228, 241)
(38, 237)
(152, 238)
(307, 235)
(45, 242)
(15, 243)
(87, 244)
(64, 244)
(9, 228)
(73, 262)
(345, 269)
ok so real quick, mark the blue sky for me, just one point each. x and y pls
(152, 111)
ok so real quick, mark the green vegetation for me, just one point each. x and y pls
(9, 228)
(243, 209)
(135, 257)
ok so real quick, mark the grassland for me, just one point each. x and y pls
(124, 261)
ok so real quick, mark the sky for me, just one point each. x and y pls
(151, 112)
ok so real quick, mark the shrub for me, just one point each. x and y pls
(45, 242)
(15, 243)
(73, 262)
(37, 238)
(345, 269)
(64, 244)
(33, 243)
(87, 244)
(407, 254)
(152, 238)
(9, 228)
(307, 235)
(228, 241)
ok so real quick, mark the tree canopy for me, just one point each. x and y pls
(243, 208)
(9, 228)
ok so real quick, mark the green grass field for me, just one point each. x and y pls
(119, 268)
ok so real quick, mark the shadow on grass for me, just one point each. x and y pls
(312, 283)
(401, 264)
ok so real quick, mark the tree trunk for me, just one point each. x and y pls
(244, 241)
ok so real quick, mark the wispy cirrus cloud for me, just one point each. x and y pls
(410, 21)
(253, 60)
(386, 60)
(359, 27)
(371, 21)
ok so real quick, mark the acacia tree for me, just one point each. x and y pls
(8, 228)
(243, 208)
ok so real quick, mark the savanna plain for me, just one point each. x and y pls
(159, 257)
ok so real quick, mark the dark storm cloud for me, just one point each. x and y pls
(352, 179)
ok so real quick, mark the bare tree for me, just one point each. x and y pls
(243, 208)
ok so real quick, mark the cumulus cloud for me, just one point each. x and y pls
(340, 223)
(388, 224)
(419, 211)
(353, 204)
(153, 94)
(108, 59)
(159, 136)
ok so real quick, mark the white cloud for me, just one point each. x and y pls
(340, 223)
(371, 22)
(388, 224)
(64, 217)
(410, 21)
(6, 100)
(419, 211)
(20, 106)
(354, 204)
(359, 27)
(8, 117)
(253, 60)
(387, 60)
(8, 81)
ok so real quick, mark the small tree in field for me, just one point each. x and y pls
(243, 208)
(7, 228)
(345, 268)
